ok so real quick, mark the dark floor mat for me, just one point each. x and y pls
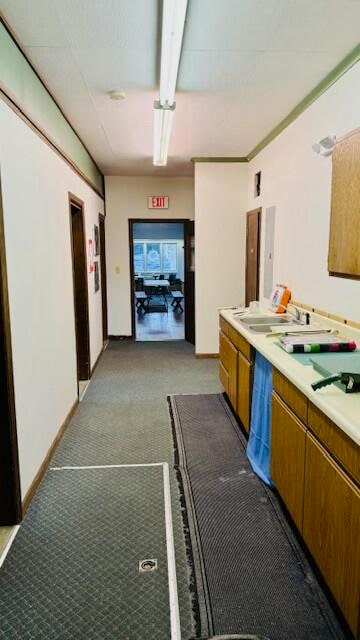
(251, 573)
(72, 572)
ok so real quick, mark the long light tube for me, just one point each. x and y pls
(163, 120)
(173, 22)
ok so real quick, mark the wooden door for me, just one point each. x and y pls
(10, 495)
(253, 220)
(81, 303)
(103, 277)
(243, 390)
(332, 528)
(287, 461)
(189, 284)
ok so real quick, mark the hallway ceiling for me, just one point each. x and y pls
(245, 64)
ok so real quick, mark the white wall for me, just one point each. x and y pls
(220, 226)
(35, 185)
(126, 197)
(298, 182)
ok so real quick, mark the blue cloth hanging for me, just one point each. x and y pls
(258, 449)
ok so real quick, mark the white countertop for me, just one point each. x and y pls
(342, 408)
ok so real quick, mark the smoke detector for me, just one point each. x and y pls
(116, 95)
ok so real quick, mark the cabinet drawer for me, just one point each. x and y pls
(345, 450)
(236, 338)
(331, 528)
(244, 390)
(287, 462)
(297, 402)
(228, 359)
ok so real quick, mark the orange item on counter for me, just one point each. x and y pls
(280, 298)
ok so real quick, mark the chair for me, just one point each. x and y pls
(139, 284)
(172, 280)
(178, 285)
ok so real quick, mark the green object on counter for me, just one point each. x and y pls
(336, 363)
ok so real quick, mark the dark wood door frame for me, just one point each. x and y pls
(133, 221)
(103, 276)
(81, 322)
(255, 213)
(189, 284)
(10, 492)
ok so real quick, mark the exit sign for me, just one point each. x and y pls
(158, 202)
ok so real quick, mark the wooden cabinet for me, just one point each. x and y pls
(315, 468)
(244, 385)
(288, 437)
(235, 370)
(228, 368)
(291, 395)
(344, 241)
(331, 528)
(341, 447)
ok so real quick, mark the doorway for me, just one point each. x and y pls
(252, 268)
(103, 277)
(189, 285)
(10, 493)
(160, 286)
(81, 302)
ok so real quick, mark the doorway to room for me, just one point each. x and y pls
(81, 302)
(103, 277)
(10, 495)
(160, 284)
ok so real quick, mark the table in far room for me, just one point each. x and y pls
(158, 287)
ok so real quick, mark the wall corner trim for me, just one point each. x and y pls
(335, 74)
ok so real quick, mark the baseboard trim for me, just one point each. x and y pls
(203, 356)
(44, 465)
(98, 359)
(120, 337)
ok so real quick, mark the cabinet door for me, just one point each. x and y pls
(243, 390)
(224, 377)
(287, 462)
(228, 358)
(332, 528)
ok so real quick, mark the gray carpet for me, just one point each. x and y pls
(252, 576)
(123, 419)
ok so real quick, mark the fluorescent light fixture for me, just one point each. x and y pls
(163, 120)
(173, 22)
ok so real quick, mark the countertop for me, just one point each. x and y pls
(342, 408)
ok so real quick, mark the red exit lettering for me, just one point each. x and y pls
(158, 202)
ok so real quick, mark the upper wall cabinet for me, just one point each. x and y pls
(344, 247)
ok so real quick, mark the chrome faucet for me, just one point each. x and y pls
(297, 315)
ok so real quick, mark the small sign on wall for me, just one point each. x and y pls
(158, 202)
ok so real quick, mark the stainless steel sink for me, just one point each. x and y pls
(263, 324)
(268, 320)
